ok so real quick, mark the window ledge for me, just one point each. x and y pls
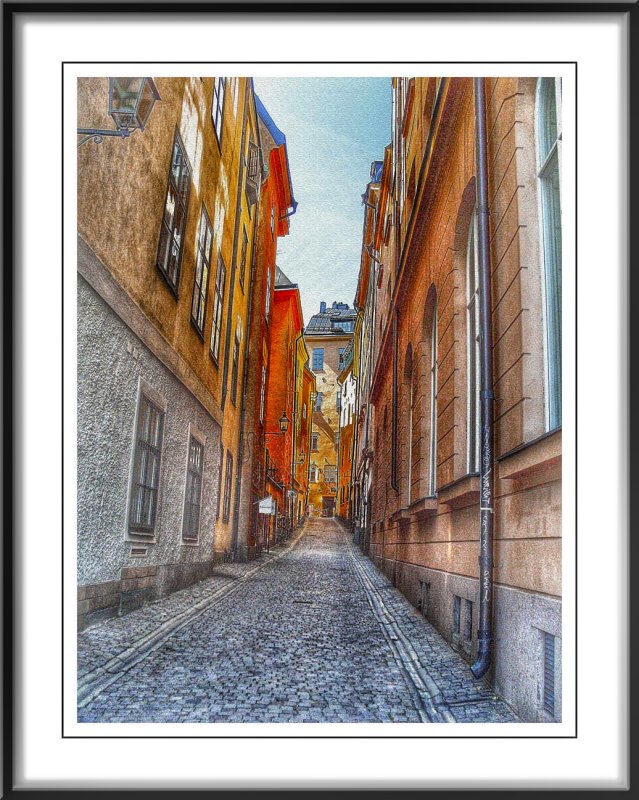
(424, 507)
(461, 493)
(534, 463)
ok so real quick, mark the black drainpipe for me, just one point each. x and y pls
(486, 467)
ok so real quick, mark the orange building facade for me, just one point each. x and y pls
(276, 206)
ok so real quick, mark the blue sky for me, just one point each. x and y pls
(335, 128)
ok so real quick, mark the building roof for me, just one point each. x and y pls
(281, 279)
(327, 322)
(276, 133)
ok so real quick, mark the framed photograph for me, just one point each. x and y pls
(312, 344)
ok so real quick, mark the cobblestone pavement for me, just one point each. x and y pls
(310, 633)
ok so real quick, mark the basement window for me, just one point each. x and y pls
(456, 616)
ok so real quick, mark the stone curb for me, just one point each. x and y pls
(93, 683)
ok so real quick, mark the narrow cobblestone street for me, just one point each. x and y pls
(312, 632)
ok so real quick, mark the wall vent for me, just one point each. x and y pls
(139, 552)
(549, 674)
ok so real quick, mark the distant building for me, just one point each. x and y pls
(328, 335)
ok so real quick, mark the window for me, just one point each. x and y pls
(340, 363)
(548, 155)
(318, 401)
(433, 405)
(549, 673)
(456, 615)
(228, 483)
(202, 269)
(318, 359)
(347, 327)
(262, 394)
(218, 304)
(313, 473)
(193, 491)
(267, 302)
(330, 473)
(171, 244)
(473, 410)
(217, 106)
(243, 257)
(408, 381)
(236, 361)
(394, 408)
(315, 442)
(146, 467)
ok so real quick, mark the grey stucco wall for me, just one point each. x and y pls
(111, 363)
(520, 619)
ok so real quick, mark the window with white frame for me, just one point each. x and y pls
(473, 416)
(315, 442)
(267, 302)
(217, 106)
(262, 394)
(193, 491)
(171, 245)
(202, 270)
(548, 173)
(433, 405)
(145, 476)
(318, 359)
(218, 305)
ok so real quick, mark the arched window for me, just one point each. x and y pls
(548, 158)
(426, 403)
(410, 401)
(472, 347)
(432, 468)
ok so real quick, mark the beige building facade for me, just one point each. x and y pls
(426, 372)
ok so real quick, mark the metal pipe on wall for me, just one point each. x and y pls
(487, 397)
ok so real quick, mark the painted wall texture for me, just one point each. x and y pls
(425, 530)
(190, 179)
(114, 366)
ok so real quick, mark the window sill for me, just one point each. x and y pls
(188, 543)
(534, 463)
(461, 493)
(424, 507)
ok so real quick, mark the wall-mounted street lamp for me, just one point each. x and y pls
(283, 423)
(131, 101)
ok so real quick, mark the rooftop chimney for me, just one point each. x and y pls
(322, 307)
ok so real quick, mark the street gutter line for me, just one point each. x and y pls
(97, 680)
(433, 706)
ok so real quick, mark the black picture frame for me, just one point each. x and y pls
(12, 284)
